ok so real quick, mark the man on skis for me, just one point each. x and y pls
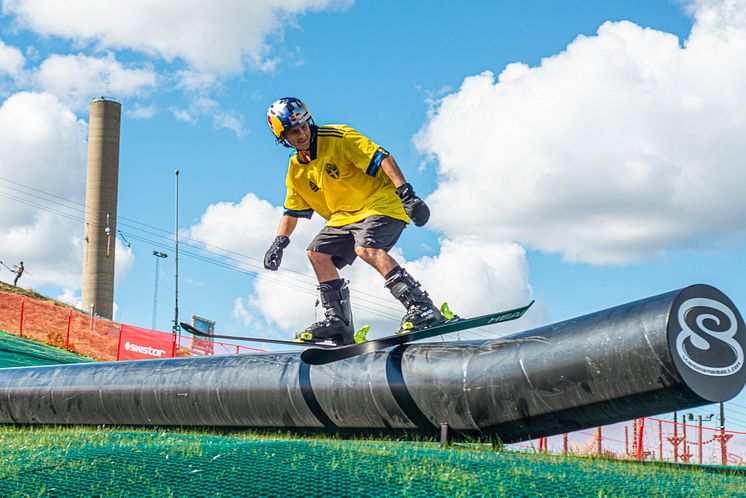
(359, 189)
(18, 270)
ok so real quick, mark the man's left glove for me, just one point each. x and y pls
(415, 207)
(274, 256)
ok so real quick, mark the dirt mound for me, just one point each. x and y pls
(33, 294)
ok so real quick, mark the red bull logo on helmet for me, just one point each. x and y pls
(296, 118)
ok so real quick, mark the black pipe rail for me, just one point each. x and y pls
(669, 352)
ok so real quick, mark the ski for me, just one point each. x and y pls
(194, 331)
(319, 356)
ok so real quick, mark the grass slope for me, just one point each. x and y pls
(22, 352)
(72, 461)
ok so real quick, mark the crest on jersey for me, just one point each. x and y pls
(332, 170)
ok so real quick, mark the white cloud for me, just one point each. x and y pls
(42, 180)
(141, 112)
(194, 81)
(48, 246)
(42, 184)
(229, 121)
(77, 78)
(473, 276)
(220, 36)
(11, 60)
(183, 115)
(286, 300)
(249, 227)
(123, 261)
(621, 147)
(241, 312)
(42, 145)
(71, 297)
(202, 105)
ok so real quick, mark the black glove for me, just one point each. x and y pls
(274, 256)
(415, 207)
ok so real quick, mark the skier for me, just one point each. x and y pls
(359, 189)
(18, 270)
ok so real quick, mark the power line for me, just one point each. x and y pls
(168, 236)
(372, 303)
(218, 251)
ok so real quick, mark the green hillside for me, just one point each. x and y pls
(73, 461)
(19, 352)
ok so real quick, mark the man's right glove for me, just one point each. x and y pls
(274, 256)
(415, 207)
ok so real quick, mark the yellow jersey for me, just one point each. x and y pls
(344, 182)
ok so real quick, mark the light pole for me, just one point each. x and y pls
(158, 257)
(176, 234)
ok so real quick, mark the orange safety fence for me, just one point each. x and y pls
(195, 346)
(61, 327)
(651, 439)
(94, 337)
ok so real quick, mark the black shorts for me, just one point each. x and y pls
(380, 232)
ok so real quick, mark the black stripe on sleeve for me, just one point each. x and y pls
(375, 162)
(305, 213)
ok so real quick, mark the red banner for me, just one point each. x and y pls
(136, 343)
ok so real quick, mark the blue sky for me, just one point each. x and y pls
(579, 153)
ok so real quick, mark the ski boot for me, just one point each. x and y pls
(421, 312)
(337, 325)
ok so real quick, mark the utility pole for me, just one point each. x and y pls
(176, 234)
(675, 439)
(158, 256)
(699, 439)
(660, 439)
(722, 437)
(707, 418)
(722, 417)
(564, 444)
(685, 455)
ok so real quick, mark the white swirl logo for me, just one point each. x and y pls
(702, 343)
